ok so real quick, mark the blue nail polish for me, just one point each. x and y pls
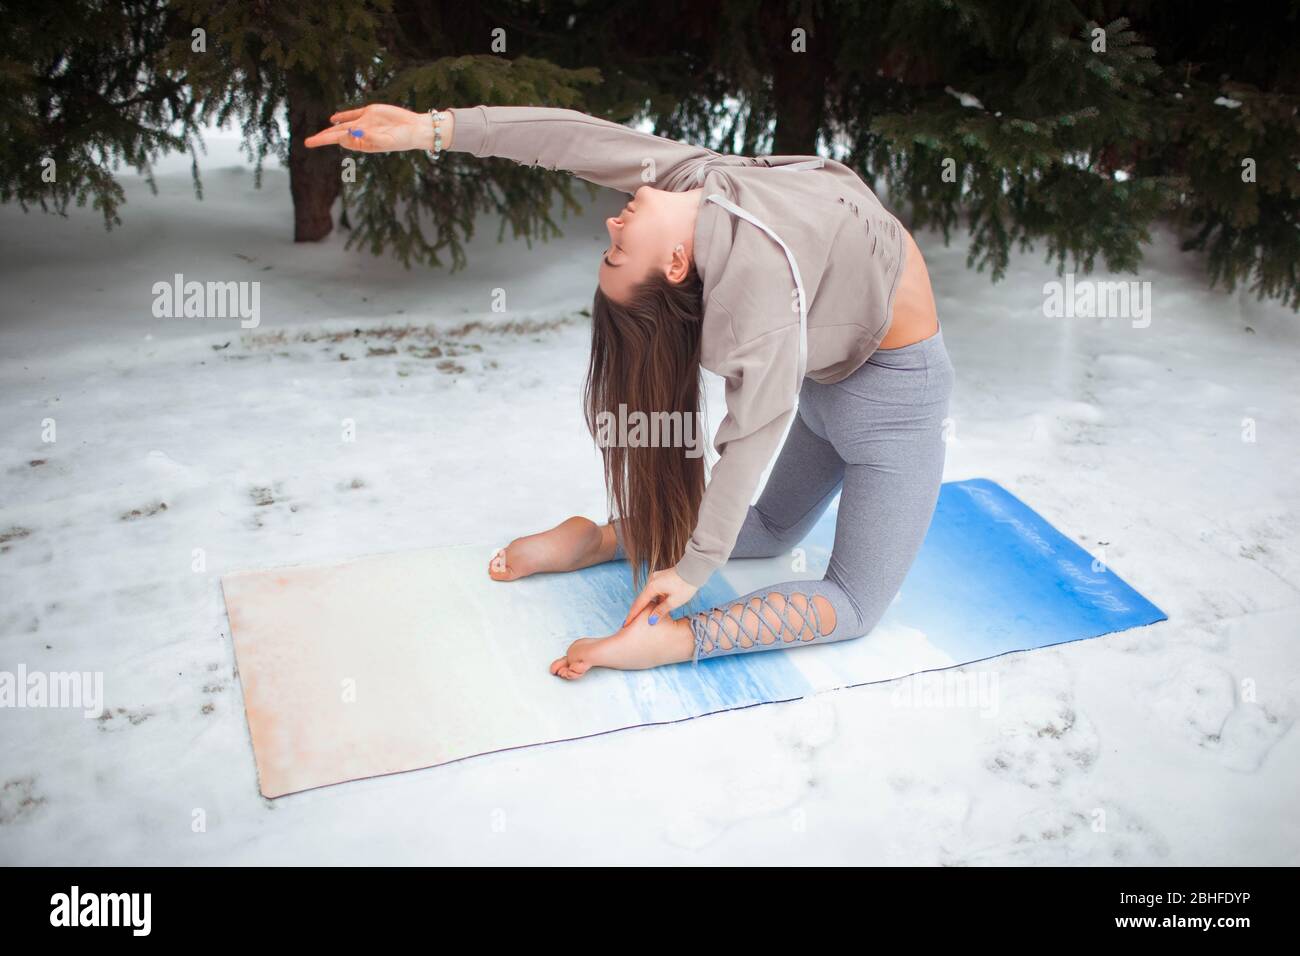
(654, 618)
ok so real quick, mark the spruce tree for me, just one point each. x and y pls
(262, 64)
(1227, 117)
(1059, 125)
(86, 95)
(1066, 126)
(306, 63)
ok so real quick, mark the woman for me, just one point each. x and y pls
(786, 276)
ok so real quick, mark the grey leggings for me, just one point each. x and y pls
(879, 436)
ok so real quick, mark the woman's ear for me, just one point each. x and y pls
(679, 265)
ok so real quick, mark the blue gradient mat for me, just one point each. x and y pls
(445, 663)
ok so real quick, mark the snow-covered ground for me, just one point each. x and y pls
(187, 448)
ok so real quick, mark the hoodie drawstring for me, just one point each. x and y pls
(735, 210)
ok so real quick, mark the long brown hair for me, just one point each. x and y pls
(645, 356)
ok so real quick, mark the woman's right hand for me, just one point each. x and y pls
(383, 129)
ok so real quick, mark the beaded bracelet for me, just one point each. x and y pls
(437, 118)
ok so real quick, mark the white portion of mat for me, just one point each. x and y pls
(401, 661)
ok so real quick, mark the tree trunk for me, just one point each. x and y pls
(798, 80)
(315, 177)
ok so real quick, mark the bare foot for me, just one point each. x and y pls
(639, 646)
(573, 543)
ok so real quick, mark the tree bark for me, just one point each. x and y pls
(314, 174)
(798, 79)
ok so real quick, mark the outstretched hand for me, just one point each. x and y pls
(382, 129)
(665, 591)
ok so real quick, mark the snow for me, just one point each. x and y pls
(968, 100)
(1171, 744)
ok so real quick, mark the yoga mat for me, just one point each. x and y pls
(402, 661)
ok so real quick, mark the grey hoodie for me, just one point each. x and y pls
(799, 260)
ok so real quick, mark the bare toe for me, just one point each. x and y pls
(579, 659)
(499, 567)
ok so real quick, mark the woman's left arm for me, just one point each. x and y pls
(761, 398)
(594, 149)
(591, 148)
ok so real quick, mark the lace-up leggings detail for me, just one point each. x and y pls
(766, 619)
